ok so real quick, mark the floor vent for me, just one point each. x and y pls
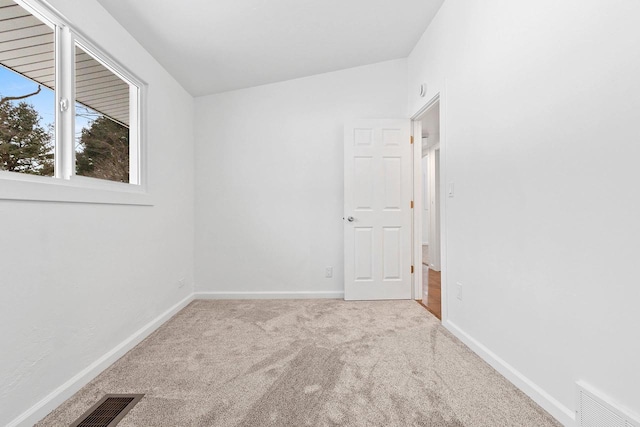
(594, 410)
(108, 411)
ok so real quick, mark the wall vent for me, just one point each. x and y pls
(594, 410)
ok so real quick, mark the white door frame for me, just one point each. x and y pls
(436, 196)
(416, 129)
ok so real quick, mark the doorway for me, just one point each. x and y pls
(427, 224)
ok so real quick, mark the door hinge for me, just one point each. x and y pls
(412, 269)
(412, 139)
(412, 204)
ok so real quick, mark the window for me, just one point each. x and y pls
(27, 92)
(102, 118)
(44, 64)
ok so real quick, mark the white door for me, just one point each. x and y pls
(377, 209)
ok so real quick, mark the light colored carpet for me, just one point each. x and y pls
(302, 363)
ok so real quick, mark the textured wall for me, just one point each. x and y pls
(78, 279)
(269, 173)
(541, 111)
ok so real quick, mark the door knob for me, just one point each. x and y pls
(351, 219)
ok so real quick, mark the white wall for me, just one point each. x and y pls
(541, 106)
(269, 174)
(78, 279)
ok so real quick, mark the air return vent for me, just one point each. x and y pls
(596, 411)
(108, 411)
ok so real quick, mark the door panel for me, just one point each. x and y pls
(363, 183)
(363, 242)
(392, 253)
(378, 187)
(392, 183)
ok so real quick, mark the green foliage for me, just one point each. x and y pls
(103, 151)
(25, 146)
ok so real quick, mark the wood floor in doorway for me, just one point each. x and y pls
(433, 302)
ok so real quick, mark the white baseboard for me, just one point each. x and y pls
(270, 295)
(66, 390)
(560, 412)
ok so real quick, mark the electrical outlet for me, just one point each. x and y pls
(328, 272)
(459, 290)
(180, 283)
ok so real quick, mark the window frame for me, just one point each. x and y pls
(65, 185)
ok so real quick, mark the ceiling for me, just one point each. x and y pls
(215, 46)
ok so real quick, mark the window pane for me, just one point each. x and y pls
(102, 121)
(27, 98)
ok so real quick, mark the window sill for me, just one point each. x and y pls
(16, 186)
